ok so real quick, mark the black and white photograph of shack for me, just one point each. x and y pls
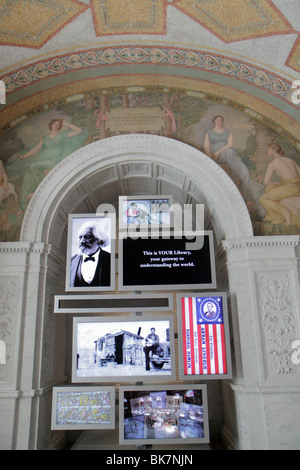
(114, 349)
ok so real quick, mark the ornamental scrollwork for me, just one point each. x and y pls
(278, 321)
(8, 289)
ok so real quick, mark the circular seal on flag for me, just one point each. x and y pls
(209, 310)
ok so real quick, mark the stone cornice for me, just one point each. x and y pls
(264, 389)
(273, 241)
(23, 247)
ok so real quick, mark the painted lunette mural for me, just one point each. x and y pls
(263, 163)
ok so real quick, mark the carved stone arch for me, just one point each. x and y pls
(146, 164)
(131, 164)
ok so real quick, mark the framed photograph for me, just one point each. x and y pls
(166, 414)
(83, 408)
(90, 253)
(165, 263)
(143, 211)
(123, 349)
(203, 334)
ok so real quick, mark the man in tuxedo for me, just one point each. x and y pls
(91, 266)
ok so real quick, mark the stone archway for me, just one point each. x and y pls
(255, 270)
(98, 174)
(249, 267)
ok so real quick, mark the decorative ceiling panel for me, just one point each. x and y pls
(294, 58)
(233, 20)
(31, 23)
(129, 16)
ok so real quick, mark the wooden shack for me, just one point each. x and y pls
(119, 346)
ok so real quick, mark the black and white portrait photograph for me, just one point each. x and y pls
(90, 257)
(111, 349)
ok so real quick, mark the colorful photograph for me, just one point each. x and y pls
(163, 414)
(83, 408)
(147, 211)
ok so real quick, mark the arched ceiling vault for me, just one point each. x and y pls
(49, 51)
(251, 28)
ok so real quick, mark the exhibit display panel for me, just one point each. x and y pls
(83, 408)
(167, 262)
(145, 210)
(203, 332)
(90, 253)
(123, 349)
(137, 347)
(166, 414)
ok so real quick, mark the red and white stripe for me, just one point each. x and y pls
(204, 350)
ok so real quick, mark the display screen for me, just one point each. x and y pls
(163, 415)
(144, 211)
(117, 349)
(204, 336)
(166, 263)
(90, 253)
(83, 408)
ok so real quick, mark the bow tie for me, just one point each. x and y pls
(89, 258)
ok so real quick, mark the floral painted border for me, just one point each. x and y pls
(131, 55)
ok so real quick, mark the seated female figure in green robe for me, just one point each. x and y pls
(31, 167)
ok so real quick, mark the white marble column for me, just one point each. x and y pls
(22, 330)
(261, 402)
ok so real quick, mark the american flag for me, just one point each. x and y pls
(204, 349)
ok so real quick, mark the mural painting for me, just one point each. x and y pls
(263, 162)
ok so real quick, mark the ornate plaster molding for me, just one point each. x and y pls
(201, 60)
(8, 302)
(278, 321)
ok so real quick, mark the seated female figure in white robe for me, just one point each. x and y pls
(218, 144)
